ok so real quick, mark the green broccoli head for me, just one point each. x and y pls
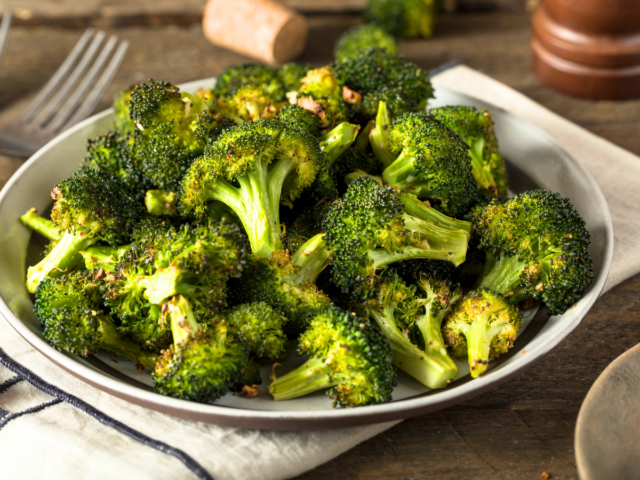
(359, 38)
(294, 116)
(349, 356)
(247, 104)
(70, 310)
(249, 377)
(351, 160)
(374, 226)
(404, 18)
(432, 163)
(541, 245)
(262, 76)
(476, 129)
(291, 75)
(123, 123)
(258, 327)
(482, 327)
(199, 366)
(322, 95)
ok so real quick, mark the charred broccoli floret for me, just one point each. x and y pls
(70, 310)
(247, 104)
(291, 75)
(351, 160)
(322, 95)
(481, 327)
(431, 163)
(199, 366)
(476, 129)
(404, 18)
(348, 355)
(89, 206)
(253, 169)
(262, 76)
(123, 123)
(352, 42)
(294, 116)
(537, 246)
(374, 226)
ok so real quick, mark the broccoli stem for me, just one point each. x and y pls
(103, 256)
(504, 277)
(160, 202)
(379, 136)
(429, 370)
(337, 140)
(41, 225)
(482, 170)
(61, 259)
(310, 377)
(479, 335)
(183, 320)
(422, 210)
(312, 257)
(362, 141)
(430, 325)
(166, 282)
(401, 174)
(111, 341)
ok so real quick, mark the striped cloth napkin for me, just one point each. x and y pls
(55, 426)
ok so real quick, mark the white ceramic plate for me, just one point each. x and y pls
(535, 160)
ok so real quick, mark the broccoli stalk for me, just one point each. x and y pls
(379, 136)
(104, 256)
(337, 140)
(310, 377)
(160, 202)
(310, 260)
(41, 225)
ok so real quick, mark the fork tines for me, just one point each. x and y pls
(75, 89)
(4, 32)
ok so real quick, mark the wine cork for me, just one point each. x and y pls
(263, 29)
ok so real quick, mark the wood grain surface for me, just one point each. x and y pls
(517, 431)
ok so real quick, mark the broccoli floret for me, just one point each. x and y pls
(123, 123)
(262, 76)
(404, 18)
(160, 202)
(431, 163)
(348, 355)
(394, 310)
(305, 224)
(538, 246)
(247, 104)
(191, 261)
(413, 270)
(113, 153)
(379, 75)
(90, 206)
(249, 377)
(322, 96)
(476, 129)
(253, 169)
(70, 310)
(294, 116)
(374, 226)
(351, 160)
(352, 42)
(199, 366)
(41, 225)
(104, 257)
(482, 327)
(291, 75)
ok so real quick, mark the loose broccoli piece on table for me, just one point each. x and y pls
(199, 366)
(404, 18)
(294, 116)
(291, 75)
(359, 38)
(374, 226)
(258, 327)
(172, 128)
(41, 225)
(191, 261)
(476, 129)
(253, 169)
(348, 355)
(123, 122)
(538, 246)
(482, 327)
(394, 310)
(379, 75)
(70, 310)
(286, 283)
(431, 163)
(161, 202)
(322, 95)
(90, 206)
(265, 77)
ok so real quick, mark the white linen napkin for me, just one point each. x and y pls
(55, 426)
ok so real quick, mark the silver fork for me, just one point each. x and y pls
(4, 32)
(69, 96)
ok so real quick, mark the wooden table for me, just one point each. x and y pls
(518, 430)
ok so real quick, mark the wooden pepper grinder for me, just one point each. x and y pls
(588, 48)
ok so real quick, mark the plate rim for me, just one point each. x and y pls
(315, 419)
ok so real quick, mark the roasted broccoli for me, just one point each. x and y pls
(374, 226)
(199, 366)
(291, 75)
(253, 169)
(294, 116)
(348, 355)
(264, 77)
(247, 104)
(481, 327)
(322, 95)
(70, 310)
(404, 18)
(123, 123)
(537, 247)
(351, 160)
(352, 42)
(41, 225)
(431, 163)
(89, 206)
(476, 129)
(161, 202)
